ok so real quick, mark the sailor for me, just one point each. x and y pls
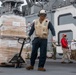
(41, 28)
(73, 49)
(73, 45)
(65, 48)
(54, 50)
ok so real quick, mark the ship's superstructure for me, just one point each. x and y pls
(33, 6)
(10, 6)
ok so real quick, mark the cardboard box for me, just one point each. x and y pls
(12, 25)
(7, 53)
(13, 20)
(13, 31)
(8, 48)
(4, 43)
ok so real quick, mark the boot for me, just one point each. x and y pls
(30, 68)
(70, 62)
(41, 69)
(63, 62)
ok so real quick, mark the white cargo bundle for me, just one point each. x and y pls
(11, 26)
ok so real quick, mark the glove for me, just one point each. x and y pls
(67, 47)
(54, 39)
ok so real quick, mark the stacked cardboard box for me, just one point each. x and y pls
(6, 54)
(8, 48)
(13, 31)
(12, 26)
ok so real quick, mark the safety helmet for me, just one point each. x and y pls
(42, 12)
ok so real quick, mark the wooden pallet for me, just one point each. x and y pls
(6, 64)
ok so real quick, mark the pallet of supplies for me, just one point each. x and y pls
(8, 48)
(11, 26)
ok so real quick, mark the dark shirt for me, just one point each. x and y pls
(50, 26)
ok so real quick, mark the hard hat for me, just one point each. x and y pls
(42, 12)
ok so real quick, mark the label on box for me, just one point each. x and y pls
(12, 43)
(16, 24)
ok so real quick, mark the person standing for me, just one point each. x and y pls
(65, 48)
(73, 45)
(73, 49)
(54, 50)
(41, 28)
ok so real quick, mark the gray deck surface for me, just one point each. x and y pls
(53, 67)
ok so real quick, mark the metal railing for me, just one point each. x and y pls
(63, 3)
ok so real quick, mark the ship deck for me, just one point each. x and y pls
(53, 67)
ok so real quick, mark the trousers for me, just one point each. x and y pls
(42, 44)
(66, 54)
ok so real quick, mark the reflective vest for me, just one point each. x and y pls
(41, 29)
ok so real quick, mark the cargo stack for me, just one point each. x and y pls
(13, 27)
